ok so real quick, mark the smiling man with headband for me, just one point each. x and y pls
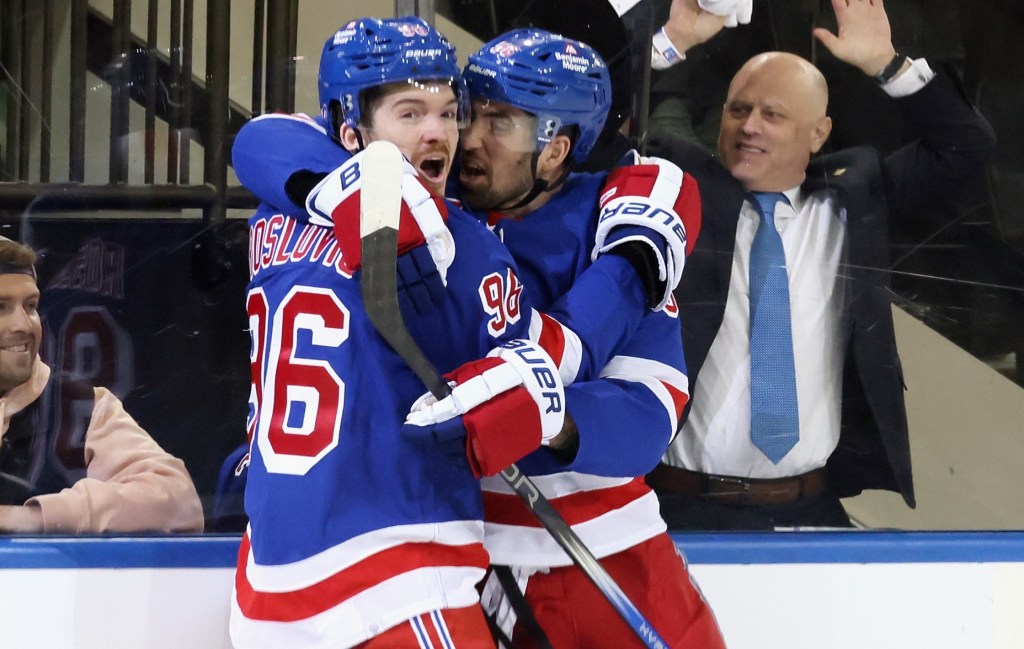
(115, 478)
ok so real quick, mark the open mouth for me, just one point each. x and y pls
(433, 169)
(469, 171)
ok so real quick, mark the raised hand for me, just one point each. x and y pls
(864, 39)
(689, 25)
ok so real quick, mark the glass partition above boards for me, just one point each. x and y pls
(892, 159)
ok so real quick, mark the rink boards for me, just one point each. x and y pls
(806, 590)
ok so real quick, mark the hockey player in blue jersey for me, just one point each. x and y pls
(533, 116)
(354, 540)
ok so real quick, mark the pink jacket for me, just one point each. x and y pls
(131, 484)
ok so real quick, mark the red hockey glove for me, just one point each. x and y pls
(502, 407)
(652, 202)
(334, 202)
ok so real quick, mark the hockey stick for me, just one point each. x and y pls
(380, 205)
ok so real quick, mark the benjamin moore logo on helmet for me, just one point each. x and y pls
(572, 61)
(345, 34)
(504, 49)
(412, 29)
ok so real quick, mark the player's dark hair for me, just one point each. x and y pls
(369, 100)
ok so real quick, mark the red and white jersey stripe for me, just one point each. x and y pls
(669, 385)
(560, 342)
(608, 514)
(355, 590)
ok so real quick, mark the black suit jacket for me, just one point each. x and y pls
(949, 140)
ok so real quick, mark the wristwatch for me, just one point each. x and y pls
(890, 70)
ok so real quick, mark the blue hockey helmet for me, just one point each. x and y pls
(372, 52)
(563, 82)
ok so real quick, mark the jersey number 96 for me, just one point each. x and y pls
(298, 397)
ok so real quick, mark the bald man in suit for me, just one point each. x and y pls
(831, 404)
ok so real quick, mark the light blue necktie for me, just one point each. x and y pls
(774, 417)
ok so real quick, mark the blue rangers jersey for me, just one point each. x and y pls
(352, 529)
(625, 419)
(350, 532)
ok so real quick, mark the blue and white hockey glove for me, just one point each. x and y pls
(501, 408)
(649, 205)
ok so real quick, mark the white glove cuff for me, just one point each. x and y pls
(663, 53)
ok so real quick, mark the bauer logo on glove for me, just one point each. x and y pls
(650, 202)
(501, 408)
(642, 212)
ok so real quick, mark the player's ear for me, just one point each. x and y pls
(554, 155)
(350, 138)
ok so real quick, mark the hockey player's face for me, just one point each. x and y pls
(773, 121)
(20, 329)
(495, 167)
(422, 121)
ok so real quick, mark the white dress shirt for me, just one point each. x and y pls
(716, 436)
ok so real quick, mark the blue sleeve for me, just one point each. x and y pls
(604, 307)
(269, 149)
(627, 417)
(486, 304)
